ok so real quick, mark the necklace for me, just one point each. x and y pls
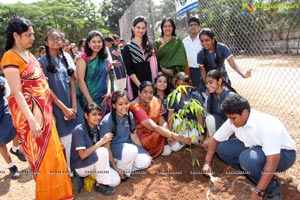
(160, 94)
(139, 43)
(23, 54)
(166, 40)
(146, 108)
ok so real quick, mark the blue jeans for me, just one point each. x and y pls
(252, 160)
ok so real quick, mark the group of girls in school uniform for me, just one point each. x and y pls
(113, 138)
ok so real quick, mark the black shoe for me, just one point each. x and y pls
(275, 193)
(13, 172)
(106, 190)
(19, 154)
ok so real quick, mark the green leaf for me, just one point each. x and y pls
(192, 108)
(178, 116)
(200, 128)
(169, 97)
(184, 89)
(193, 138)
(193, 162)
(178, 98)
(190, 123)
(173, 95)
(198, 163)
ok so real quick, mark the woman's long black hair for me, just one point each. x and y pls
(217, 75)
(51, 67)
(210, 33)
(116, 95)
(145, 40)
(102, 53)
(18, 25)
(167, 19)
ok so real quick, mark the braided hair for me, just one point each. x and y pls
(114, 99)
(51, 67)
(210, 33)
(217, 75)
(69, 70)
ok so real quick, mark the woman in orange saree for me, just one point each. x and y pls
(30, 105)
(150, 124)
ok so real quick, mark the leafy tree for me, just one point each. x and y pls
(73, 17)
(112, 11)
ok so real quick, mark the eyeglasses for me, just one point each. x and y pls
(58, 39)
(191, 25)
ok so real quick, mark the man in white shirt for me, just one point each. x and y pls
(261, 148)
(192, 46)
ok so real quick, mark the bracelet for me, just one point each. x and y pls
(261, 193)
(171, 135)
(206, 165)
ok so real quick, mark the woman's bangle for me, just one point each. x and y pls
(206, 165)
(171, 135)
(108, 95)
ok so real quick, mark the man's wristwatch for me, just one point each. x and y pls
(261, 193)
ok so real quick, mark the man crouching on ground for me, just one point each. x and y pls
(261, 148)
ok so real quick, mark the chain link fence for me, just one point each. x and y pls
(266, 40)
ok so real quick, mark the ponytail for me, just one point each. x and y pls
(69, 70)
(50, 67)
(114, 118)
(217, 58)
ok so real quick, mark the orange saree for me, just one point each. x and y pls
(45, 155)
(151, 141)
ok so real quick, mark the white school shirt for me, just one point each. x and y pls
(260, 129)
(192, 48)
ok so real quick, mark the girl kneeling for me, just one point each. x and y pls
(88, 156)
(125, 147)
